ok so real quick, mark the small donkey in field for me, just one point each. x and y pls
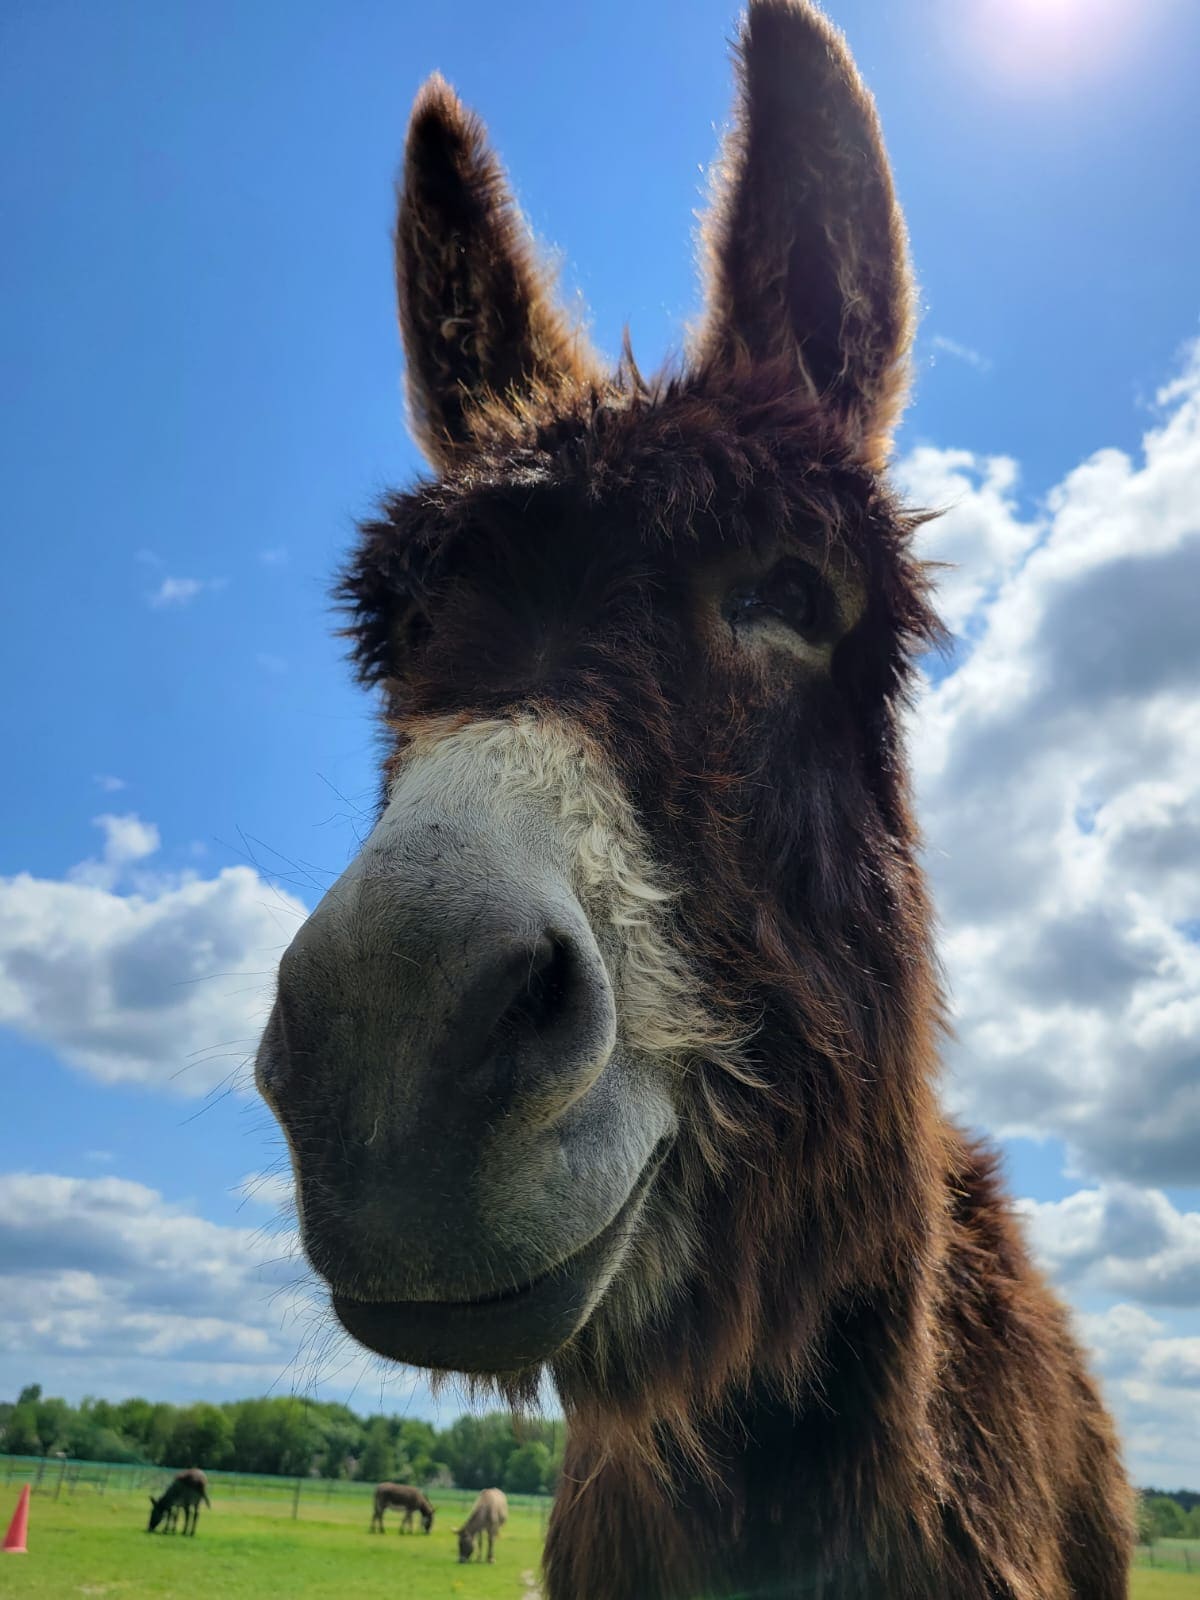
(488, 1516)
(627, 1012)
(184, 1494)
(400, 1497)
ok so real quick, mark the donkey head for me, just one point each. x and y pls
(638, 923)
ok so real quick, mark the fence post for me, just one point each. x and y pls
(296, 1499)
(37, 1482)
(62, 1472)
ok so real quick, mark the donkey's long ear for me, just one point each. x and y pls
(476, 309)
(805, 247)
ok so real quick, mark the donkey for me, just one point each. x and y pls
(488, 1516)
(628, 1005)
(400, 1497)
(184, 1493)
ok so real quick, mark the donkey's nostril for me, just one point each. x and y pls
(538, 1006)
(537, 1020)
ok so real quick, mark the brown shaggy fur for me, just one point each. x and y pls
(401, 1497)
(853, 1384)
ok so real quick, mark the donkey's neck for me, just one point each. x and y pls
(770, 1488)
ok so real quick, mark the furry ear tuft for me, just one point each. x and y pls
(476, 310)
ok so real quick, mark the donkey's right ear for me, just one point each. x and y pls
(476, 309)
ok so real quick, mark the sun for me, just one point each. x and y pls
(1050, 43)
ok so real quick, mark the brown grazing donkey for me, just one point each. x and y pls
(628, 1006)
(488, 1516)
(400, 1497)
(184, 1493)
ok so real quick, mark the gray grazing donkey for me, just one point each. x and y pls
(400, 1497)
(183, 1494)
(488, 1516)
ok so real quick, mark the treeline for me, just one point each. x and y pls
(289, 1437)
(1168, 1516)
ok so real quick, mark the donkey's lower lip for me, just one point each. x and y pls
(502, 1333)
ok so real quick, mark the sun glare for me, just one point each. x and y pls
(1050, 42)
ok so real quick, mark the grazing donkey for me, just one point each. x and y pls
(628, 1006)
(488, 1516)
(400, 1497)
(184, 1493)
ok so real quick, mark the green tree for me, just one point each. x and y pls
(477, 1449)
(134, 1419)
(158, 1435)
(1145, 1520)
(30, 1394)
(377, 1464)
(21, 1437)
(417, 1442)
(53, 1421)
(342, 1441)
(528, 1469)
(275, 1436)
(202, 1437)
(1166, 1517)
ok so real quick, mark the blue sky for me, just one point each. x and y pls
(199, 355)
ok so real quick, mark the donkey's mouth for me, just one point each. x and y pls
(506, 1332)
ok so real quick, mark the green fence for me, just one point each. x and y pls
(335, 1499)
(1170, 1555)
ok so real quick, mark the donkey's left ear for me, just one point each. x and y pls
(476, 309)
(807, 266)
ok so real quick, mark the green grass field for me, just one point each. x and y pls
(1156, 1585)
(96, 1547)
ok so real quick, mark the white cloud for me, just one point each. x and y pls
(1121, 1240)
(1058, 769)
(126, 839)
(961, 352)
(176, 592)
(275, 557)
(1134, 1248)
(110, 785)
(106, 1288)
(981, 534)
(1151, 1380)
(167, 985)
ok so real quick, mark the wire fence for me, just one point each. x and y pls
(1169, 1555)
(321, 1499)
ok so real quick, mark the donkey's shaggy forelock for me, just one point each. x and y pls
(629, 1004)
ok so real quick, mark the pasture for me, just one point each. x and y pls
(95, 1547)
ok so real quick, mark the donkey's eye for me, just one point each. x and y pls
(792, 591)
